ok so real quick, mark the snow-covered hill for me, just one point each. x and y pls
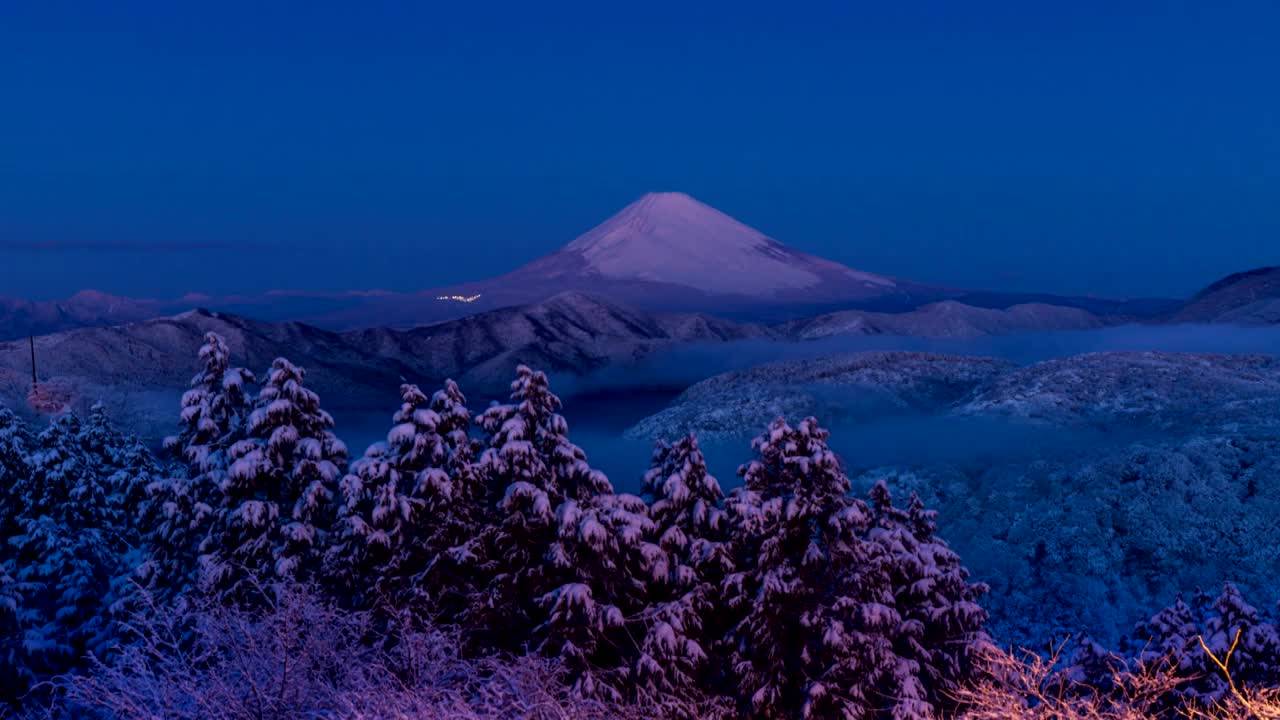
(947, 319)
(1152, 388)
(840, 388)
(1247, 298)
(1117, 389)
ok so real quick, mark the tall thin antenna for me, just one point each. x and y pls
(34, 382)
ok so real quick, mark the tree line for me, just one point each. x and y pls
(787, 597)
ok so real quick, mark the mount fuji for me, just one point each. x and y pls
(670, 238)
(666, 251)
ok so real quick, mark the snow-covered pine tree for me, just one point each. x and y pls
(690, 526)
(411, 506)
(530, 467)
(940, 633)
(446, 479)
(15, 448)
(602, 563)
(1255, 658)
(127, 469)
(213, 410)
(66, 572)
(278, 494)
(1170, 642)
(812, 600)
(373, 513)
(15, 677)
(99, 438)
(62, 556)
(1169, 637)
(455, 493)
(568, 559)
(179, 508)
(1092, 670)
(54, 463)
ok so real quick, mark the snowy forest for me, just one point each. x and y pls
(475, 565)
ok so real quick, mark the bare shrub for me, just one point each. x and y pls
(1024, 685)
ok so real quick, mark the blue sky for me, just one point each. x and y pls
(1085, 147)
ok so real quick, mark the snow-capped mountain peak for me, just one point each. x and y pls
(672, 238)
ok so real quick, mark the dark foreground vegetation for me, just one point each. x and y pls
(477, 566)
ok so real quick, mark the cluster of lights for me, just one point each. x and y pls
(460, 298)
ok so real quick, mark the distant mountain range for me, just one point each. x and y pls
(664, 252)
(949, 319)
(140, 369)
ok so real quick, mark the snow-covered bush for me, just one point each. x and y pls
(297, 655)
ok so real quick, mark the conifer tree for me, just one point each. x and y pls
(178, 509)
(1170, 642)
(530, 468)
(453, 493)
(569, 559)
(1169, 635)
(940, 633)
(1092, 669)
(54, 463)
(1235, 627)
(62, 556)
(690, 527)
(600, 563)
(67, 573)
(814, 606)
(373, 513)
(126, 469)
(213, 411)
(410, 507)
(15, 676)
(277, 496)
(15, 447)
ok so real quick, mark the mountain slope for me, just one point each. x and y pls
(1246, 298)
(672, 238)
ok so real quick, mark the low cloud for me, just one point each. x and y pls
(117, 246)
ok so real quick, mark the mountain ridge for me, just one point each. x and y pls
(140, 369)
